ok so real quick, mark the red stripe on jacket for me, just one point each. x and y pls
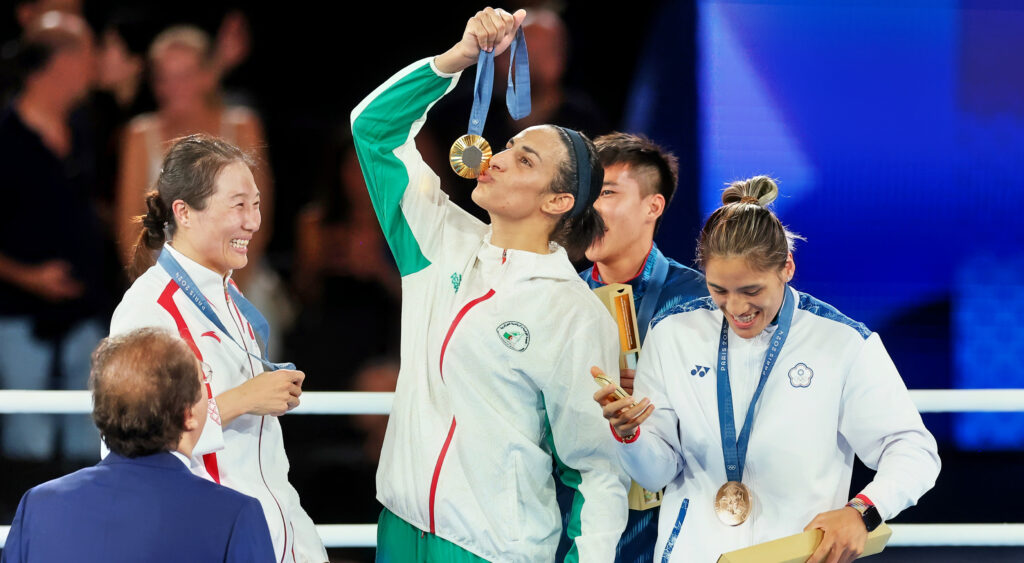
(166, 300)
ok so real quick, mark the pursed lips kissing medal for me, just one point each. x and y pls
(734, 502)
(471, 153)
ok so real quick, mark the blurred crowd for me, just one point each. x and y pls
(90, 102)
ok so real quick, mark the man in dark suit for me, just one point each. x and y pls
(141, 503)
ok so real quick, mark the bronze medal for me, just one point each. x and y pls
(469, 155)
(733, 503)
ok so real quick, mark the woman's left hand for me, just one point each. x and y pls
(844, 539)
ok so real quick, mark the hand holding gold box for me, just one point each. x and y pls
(618, 299)
(798, 547)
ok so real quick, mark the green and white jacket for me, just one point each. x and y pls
(495, 379)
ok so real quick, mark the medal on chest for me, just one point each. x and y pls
(733, 502)
(471, 153)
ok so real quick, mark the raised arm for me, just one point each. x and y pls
(414, 213)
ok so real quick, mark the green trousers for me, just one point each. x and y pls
(400, 542)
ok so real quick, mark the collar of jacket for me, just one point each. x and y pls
(161, 460)
(522, 264)
(638, 282)
(210, 283)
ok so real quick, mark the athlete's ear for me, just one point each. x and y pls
(789, 270)
(558, 204)
(656, 206)
(180, 209)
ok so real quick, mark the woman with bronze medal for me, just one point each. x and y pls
(756, 400)
(497, 328)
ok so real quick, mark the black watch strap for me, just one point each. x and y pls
(868, 513)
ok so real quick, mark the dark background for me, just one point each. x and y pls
(657, 67)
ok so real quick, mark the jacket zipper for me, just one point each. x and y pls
(259, 445)
(451, 429)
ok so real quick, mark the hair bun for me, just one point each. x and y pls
(156, 215)
(759, 190)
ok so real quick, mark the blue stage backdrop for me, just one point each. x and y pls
(896, 131)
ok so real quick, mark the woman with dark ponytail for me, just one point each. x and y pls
(197, 228)
(498, 332)
(763, 396)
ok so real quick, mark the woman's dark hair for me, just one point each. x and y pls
(189, 173)
(577, 229)
(142, 383)
(744, 226)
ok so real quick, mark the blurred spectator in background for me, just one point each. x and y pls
(122, 63)
(345, 278)
(27, 12)
(52, 299)
(185, 77)
(121, 93)
(232, 45)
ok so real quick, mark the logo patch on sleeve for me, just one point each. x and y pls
(514, 334)
(800, 375)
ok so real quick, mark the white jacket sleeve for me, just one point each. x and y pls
(582, 445)
(881, 423)
(653, 458)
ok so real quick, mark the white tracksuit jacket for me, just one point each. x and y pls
(834, 392)
(496, 351)
(250, 456)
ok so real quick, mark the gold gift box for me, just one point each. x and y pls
(798, 547)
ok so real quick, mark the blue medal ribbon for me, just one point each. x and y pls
(517, 94)
(649, 302)
(735, 451)
(256, 319)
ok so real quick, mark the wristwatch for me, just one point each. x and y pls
(868, 513)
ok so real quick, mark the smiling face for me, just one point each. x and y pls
(218, 236)
(748, 297)
(518, 179)
(629, 215)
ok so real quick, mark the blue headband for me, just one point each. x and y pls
(582, 156)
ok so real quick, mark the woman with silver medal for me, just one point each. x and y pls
(200, 219)
(756, 400)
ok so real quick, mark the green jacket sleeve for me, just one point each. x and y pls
(413, 211)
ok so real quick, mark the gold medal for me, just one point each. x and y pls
(733, 503)
(469, 156)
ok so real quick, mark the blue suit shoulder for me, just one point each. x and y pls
(130, 495)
